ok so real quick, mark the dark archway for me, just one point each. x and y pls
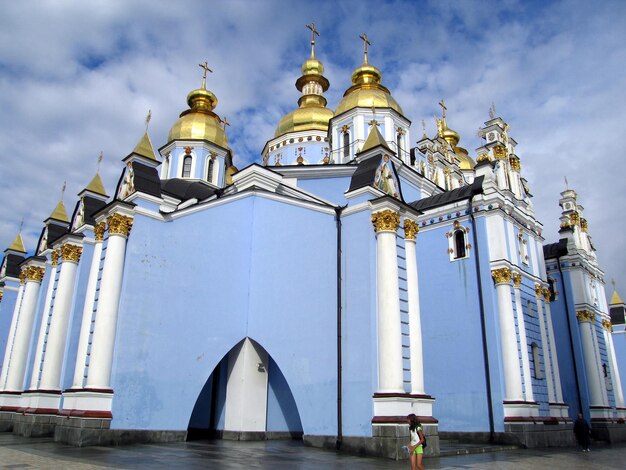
(208, 418)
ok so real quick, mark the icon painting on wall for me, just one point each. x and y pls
(386, 179)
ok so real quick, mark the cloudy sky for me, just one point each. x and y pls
(78, 77)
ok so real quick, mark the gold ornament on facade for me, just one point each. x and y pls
(515, 164)
(55, 258)
(574, 218)
(585, 315)
(386, 220)
(345, 128)
(501, 276)
(119, 224)
(517, 279)
(499, 152)
(34, 273)
(22, 276)
(99, 230)
(1, 295)
(482, 157)
(583, 225)
(71, 252)
(607, 325)
(538, 291)
(547, 294)
(411, 229)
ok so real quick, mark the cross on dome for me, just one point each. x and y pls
(206, 68)
(365, 44)
(313, 33)
(443, 108)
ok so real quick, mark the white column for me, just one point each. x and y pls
(528, 384)
(415, 325)
(34, 379)
(23, 330)
(615, 377)
(57, 334)
(586, 320)
(11, 337)
(508, 337)
(553, 356)
(85, 325)
(547, 357)
(390, 372)
(103, 340)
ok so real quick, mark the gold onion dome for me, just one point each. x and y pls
(367, 91)
(312, 113)
(465, 161)
(199, 122)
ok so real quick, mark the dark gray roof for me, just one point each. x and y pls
(365, 173)
(145, 179)
(448, 197)
(555, 250)
(13, 264)
(91, 206)
(184, 189)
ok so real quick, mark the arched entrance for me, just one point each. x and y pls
(246, 397)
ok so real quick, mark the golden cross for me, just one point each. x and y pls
(365, 44)
(443, 108)
(313, 33)
(206, 68)
(100, 157)
(225, 122)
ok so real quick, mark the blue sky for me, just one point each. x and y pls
(78, 78)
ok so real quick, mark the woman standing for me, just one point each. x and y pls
(416, 450)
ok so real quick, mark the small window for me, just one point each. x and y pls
(187, 166)
(459, 244)
(209, 176)
(536, 361)
(346, 145)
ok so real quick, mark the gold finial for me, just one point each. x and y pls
(443, 108)
(22, 226)
(148, 117)
(100, 157)
(313, 33)
(566, 185)
(373, 122)
(365, 44)
(424, 128)
(224, 122)
(63, 189)
(206, 69)
(492, 111)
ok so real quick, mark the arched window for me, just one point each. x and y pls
(459, 244)
(187, 166)
(536, 361)
(346, 145)
(209, 173)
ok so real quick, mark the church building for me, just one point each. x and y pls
(345, 280)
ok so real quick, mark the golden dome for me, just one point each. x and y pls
(450, 136)
(312, 113)
(199, 122)
(465, 161)
(367, 91)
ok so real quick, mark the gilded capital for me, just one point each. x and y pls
(538, 291)
(501, 276)
(410, 229)
(607, 325)
(499, 152)
(1, 295)
(22, 276)
(515, 164)
(574, 218)
(71, 252)
(55, 258)
(517, 279)
(99, 231)
(119, 224)
(34, 273)
(585, 315)
(546, 295)
(386, 221)
(583, 225)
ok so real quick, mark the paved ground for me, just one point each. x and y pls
(28, 453)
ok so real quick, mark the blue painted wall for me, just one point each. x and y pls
(6, 315)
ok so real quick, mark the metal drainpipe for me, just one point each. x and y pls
(483, 324)
(338, 442)
(571, 339)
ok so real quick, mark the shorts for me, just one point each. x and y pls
(419, 450)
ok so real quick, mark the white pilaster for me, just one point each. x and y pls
(553, 356)
(616, 379)
(390, 378)
(508, 337)
(586, 323)
(528, 385)
(57, 334)
(11, 337)
(26, 315)
(90, 294)
(547, 358)
(103, 340)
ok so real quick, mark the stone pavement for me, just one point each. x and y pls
(42, 453)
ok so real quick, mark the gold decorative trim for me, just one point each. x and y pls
(499, 152)
(71, 252)
(517, 280)
(583, 225)
(585, 315)
(546, 295)
(55, 258)
(386, 221)
(574, 218)
(607, 325)
(99, 230)
(119, 224)
(22, 277)
(1, 295)
(515, 164)
(538, 291)
(34, 273)
(501, 276)
(411, 229)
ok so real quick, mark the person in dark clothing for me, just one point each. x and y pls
(582, 431)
